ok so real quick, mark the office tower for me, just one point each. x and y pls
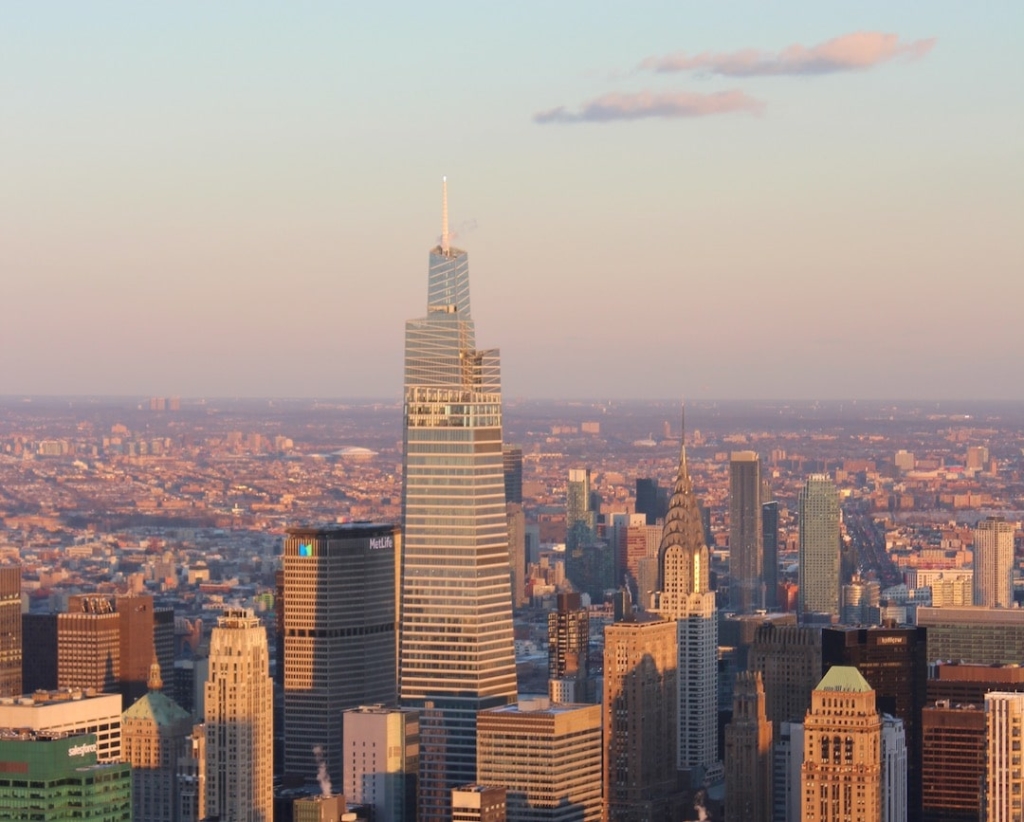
(547, 756)
(580, 518)
(746, 549)
(478, 803)
(859, 598)
(589, 563)
(55, 778)
(456, 640)
(382, 755)
(517, 551)
(894, 770)
(239, 717)
(965, 683)
(748, 754)
(842, 771)
(143, 631)
(1004, 778)
(155, 734)
(512, 460)
(686, 598)
(569, 649)
(993, 563)
(788, 657)
(983, 636)
(38, 652)
(319, 809)
(340, 636)
(819, 546)
(895, 662)
(641, 707)
(787, 763)
(71, 713)
(192, 777)
(953, 762)
(10, 630)
(647, 500)
(89, 650)
(770, 538)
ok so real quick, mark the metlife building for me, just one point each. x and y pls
(340, 637)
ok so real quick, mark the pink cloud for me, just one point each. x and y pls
(644, 104)
(850, 52)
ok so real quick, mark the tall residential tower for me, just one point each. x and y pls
(819, 546)
(746, 549)
(456, 654)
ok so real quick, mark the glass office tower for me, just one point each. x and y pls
(456, 651)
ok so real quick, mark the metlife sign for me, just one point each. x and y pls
(382, 543)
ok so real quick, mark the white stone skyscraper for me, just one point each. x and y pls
(685, 596)
(239, 721)
(456, 650)
(819, 546)
(993, 563)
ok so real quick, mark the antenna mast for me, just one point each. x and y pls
(444, 216)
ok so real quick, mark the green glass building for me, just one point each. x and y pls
(47, 779)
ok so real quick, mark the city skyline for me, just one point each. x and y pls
(835, 183)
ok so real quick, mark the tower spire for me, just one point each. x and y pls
(444, 216)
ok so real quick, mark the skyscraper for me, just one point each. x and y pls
(588, 565)
(456, 640)
(340, 636)
(547, 756)
(770, 536)
(788, 657)
(382, 755)
(993, 563)
(10, 631)
(649, 499)
(569, 650)
(512, 458)
(819, 546)
(895, 663)
(746, 550)
(1004, 779)
(155, 733)
(748, 754)
(842, 772)
(517, 551)
(239, 721)
(685, 597)
(641, 704)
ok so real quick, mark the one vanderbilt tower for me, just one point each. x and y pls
(456, 646)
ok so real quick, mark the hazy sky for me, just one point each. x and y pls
(750, 200)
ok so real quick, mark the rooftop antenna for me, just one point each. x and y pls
(444, 216)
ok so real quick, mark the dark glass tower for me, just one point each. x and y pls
(456, 654)
(770, 529)
(894, 661)
(512, 456)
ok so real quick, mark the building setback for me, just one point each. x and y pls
(748, 754)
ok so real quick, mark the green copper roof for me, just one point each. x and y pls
(843, 678)
(157, 708)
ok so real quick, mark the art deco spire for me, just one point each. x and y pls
(683, 525)
(444, 216)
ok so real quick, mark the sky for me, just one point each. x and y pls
(659, 199)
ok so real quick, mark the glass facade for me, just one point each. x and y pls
(819, 546)
(456, 649)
